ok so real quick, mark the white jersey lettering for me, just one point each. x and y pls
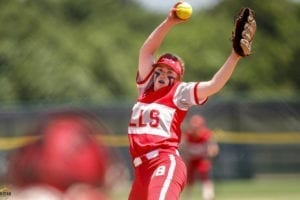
(154, 119)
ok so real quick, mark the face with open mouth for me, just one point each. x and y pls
(164, 76)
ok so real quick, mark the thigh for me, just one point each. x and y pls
(191, 169)
(139, 188)
(204, 168)
(168, 179)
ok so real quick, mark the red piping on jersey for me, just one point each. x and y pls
(196, 96)
(195, 93)
(145, 79)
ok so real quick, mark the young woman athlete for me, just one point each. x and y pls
(163, 101)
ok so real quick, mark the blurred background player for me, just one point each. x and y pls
(68, 161)
(200, 148)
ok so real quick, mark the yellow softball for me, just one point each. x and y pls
(184, 10)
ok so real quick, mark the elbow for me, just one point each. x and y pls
(213, 91)
(217, 88)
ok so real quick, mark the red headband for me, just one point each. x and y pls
(175, 65)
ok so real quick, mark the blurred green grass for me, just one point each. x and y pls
(255, 189)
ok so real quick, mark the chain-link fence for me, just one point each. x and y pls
(254, 137)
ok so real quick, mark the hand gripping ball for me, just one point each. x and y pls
(184, 10)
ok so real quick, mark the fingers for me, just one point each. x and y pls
(248, 34)
(251, 26)
(176, 4)
(249, 30)
(172, 15)
(246, 46)
(242, 41)
(250, 18)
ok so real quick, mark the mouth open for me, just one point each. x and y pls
(161, 81)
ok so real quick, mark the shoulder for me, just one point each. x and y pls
(185, 95)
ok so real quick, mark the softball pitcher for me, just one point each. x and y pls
(163, 101)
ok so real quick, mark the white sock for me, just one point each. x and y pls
(208, 192)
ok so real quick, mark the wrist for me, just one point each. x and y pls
(167, 22)
(235, 55)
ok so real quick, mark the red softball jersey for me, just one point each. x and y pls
(157, 115)
(197, 143)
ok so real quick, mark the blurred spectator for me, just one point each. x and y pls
(199, 149)
(66, 162)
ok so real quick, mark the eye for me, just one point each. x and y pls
(171, 72)
(159, 69)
